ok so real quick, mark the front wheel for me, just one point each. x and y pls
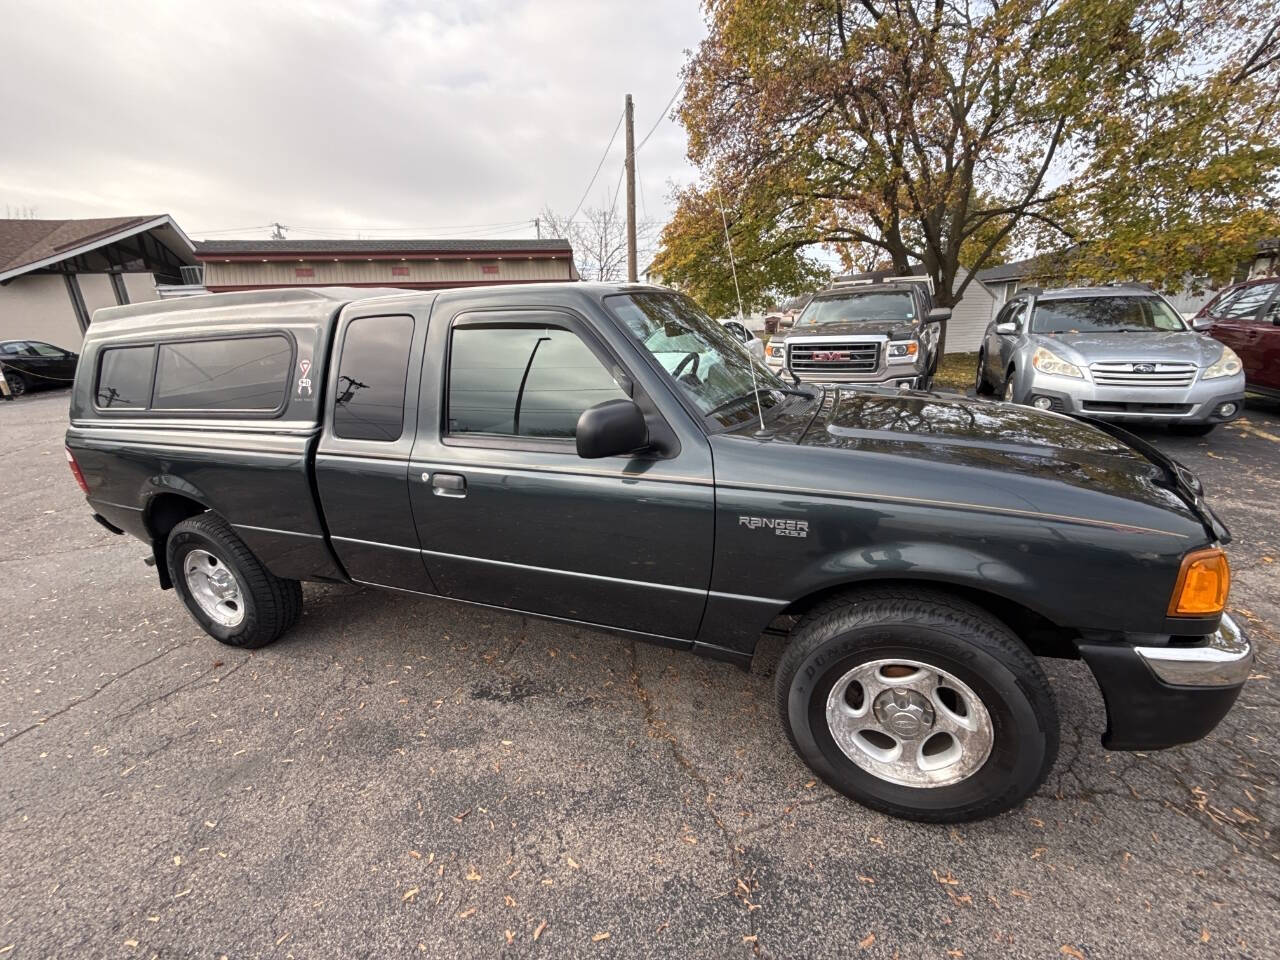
(981, 385)
(228, 591)
(1010, 387)
(917, 704)
(17, 384)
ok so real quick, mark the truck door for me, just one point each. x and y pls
(508, 515)
(362, 461)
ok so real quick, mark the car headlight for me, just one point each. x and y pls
(778, 350)
(1046, 361)
(1227, 365)
(903, 351)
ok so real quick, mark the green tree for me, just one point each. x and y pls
(949, 132)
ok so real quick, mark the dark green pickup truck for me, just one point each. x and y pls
(609, 455)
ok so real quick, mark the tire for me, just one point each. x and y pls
(17, 383)
(1010, 386)
(227, 590)
(969, 650)
(981, 385)
(1192, 429)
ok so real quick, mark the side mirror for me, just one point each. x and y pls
(939, 314)
(1006, 329)
(1201, 323)
(611, 428)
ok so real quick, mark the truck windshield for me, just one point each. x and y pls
(1105, 315)
(857, 307)
(710, 366)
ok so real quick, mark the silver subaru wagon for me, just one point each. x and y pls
(1117, 352)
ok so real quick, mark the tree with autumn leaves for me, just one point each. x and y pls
(1143, 135)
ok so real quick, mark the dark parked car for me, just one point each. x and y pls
(1246, 318)
(608, 455)
(33, 365)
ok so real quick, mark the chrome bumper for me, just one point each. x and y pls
(1223, 660)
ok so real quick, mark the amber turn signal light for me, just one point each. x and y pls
(1203, 583)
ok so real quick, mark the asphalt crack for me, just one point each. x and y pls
(85, 699)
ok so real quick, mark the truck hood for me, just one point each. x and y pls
(1015, 457)
(898, 329)
(1161, 347)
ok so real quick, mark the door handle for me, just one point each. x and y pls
(448, 484)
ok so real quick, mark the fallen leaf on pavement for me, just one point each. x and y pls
(602, 935)
(948, 879)
(409, 894)
(538, 930)
(1069, 951)
(466, 913)
(866, 942)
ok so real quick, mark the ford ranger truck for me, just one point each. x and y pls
(608, 455)
(864, 332)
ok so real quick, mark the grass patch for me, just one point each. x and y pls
(956, 370)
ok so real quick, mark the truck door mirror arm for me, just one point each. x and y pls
(1006, 329)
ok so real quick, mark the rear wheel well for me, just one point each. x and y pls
(1042, 636)
(165, 512)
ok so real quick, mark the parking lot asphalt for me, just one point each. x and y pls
(408, 777)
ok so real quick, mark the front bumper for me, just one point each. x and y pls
(905, 375)
(1202, 402)
(1161, 696)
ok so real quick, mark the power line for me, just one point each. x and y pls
(604, 156)
(661, 116)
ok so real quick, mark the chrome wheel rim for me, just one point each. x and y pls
(1008, 390)
(214, 587)
(909, 723)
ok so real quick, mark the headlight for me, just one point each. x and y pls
(1046, 361)
(1227, 365)
(775, 350)
(903, 351)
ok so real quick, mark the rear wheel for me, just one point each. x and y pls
(981, 385)
(17, 383)
(917, 704)
(1192, 429)
(228, 591)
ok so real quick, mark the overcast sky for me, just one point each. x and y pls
(439, 117)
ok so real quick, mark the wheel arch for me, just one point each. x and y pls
(164, 511)
(1042, 636)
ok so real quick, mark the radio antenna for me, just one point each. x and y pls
(751, 362)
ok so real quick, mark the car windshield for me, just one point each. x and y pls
(856, 307)
(1105, 315)
(710, 366)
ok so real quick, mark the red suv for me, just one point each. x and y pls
(1246, 317)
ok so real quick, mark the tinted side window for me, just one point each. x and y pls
(369, 404)
(124, 378)
(523, 381)
(234, 374)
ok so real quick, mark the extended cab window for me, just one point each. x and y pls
(369, 402)
(247, 373)
(523, 381)
(124, 378)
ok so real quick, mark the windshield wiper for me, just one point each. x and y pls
(751, 393)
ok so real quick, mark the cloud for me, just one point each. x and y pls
(336, 117)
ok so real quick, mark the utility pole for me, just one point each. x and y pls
(631, 191)
(537, 226)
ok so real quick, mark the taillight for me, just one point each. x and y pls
(1203, 584)
(75, 471)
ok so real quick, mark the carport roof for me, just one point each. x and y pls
(27, 245)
